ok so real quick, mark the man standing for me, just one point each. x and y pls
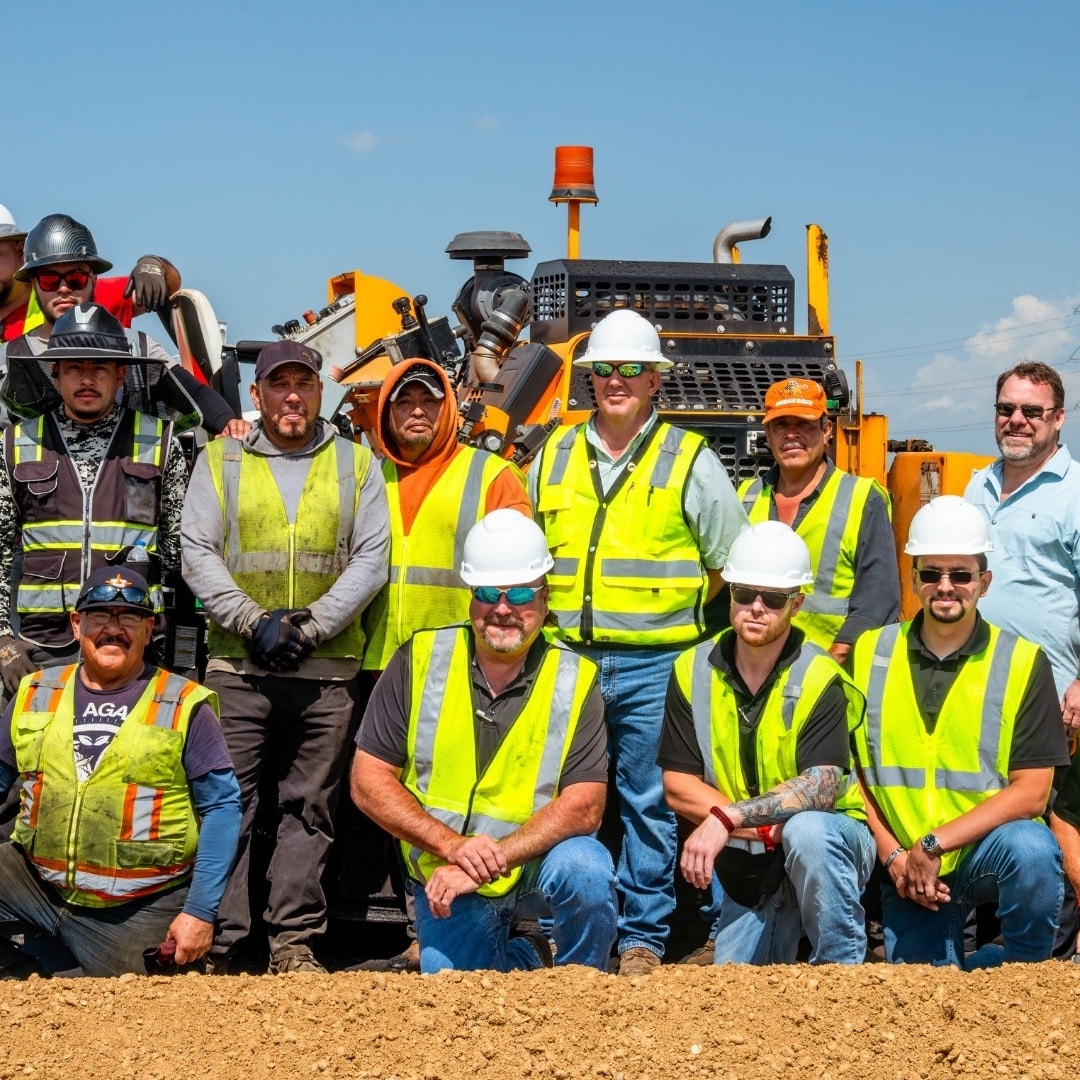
(483, 750)
(957, 758)
(437, 489)
(79, 487)
(754, 752)
(843, 519)
(285, 539)
(130, 809)
(639, 517)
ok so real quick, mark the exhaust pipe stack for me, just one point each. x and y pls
(723, 249)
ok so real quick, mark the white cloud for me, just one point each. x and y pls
(485, 124)
(365, 142)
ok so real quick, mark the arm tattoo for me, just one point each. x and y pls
(814, 789)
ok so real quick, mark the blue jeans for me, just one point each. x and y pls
(104, 941)
(574, 883)
(1018, 864)
(828, 858)
(634, 683)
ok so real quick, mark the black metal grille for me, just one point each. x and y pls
(569, 296)
(730, 446)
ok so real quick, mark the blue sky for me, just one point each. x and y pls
(264, 147)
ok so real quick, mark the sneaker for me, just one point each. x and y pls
(704, 956)
(300, 960)
(638, 961)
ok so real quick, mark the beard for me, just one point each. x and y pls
(503, 642)
(1028, 449)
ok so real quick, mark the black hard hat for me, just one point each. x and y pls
(88, 332)
(59, 239)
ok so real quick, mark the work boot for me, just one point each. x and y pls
(638, 961)
(409, 960)
(703, 956)
(541, 946)
(296, 960)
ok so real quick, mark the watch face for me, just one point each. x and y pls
(930, 844)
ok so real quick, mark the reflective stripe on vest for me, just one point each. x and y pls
(830, 529)
(283, 564)
(626, 567)
(128, 830)
(921, 780)
(425, 589)
(524, 772)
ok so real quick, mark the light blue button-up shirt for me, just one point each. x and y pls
(1036, 558)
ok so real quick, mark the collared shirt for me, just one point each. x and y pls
(712, 509)
(875, 594)
(1035, 592)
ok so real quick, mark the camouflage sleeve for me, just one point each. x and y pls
(174, 483)
(9, 531)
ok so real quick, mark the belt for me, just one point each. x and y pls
(755, 847)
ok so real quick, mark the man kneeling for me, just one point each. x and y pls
(129, 810)
(754, 752)
(483, 750)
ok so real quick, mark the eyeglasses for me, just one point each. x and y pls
(99, 617)
(774, 601)
(931, 576)
(1005, 409)
(51, 280)
(626, 371)
(516, 597)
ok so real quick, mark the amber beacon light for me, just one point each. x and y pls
(573, 185)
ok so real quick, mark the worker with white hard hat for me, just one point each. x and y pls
(639, 516)
(755, 753)
(13, 294)
(957, 756)
(483, 751)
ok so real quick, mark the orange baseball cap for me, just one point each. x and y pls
(802, 398)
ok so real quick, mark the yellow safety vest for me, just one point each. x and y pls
(279, 564)
(425, 589)
(922, 780)
(627, 567)
(792, 699)
(130, 829)
(524, 772)
(831, 532)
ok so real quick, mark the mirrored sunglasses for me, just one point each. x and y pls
(626, 371)
(50, 280)
(516, 597)
(106, 594)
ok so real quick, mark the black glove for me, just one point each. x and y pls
(15, 662)
(147, 284)
(278, 643)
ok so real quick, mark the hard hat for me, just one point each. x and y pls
(949, 526)
(770, 555)
(59, 239)
(505, 548)
(624, 337)
(8, 229)
(89, 332)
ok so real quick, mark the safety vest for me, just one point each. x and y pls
(831, 532)
(425, 589)
(524, 772)
(922, 780)
(131, 828)
(791, 700)
(281, 564)
(67, 532)
(627, 568)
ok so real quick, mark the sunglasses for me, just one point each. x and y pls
(51, 280)
(1005, 409)
(774, 601)
(957, 577)
(626, 371)
(516, 597)
(105, 594)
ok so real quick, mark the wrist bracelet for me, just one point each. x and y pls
(765, 835)
(888, 861)
(722, 818)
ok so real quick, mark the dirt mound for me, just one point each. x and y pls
(874, 1021)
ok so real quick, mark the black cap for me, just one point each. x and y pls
(124, 580)
(278, 353)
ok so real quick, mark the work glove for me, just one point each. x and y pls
(15, 662)
(278, 643)
(147, 285)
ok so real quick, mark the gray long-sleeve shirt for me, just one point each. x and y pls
(202, 543)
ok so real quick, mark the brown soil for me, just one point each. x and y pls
(686, 1022)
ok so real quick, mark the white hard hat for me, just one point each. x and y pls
(770, 555)
(8, 229)
(505, 548)
(624, 337)
(949, 526)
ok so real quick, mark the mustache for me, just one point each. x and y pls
(505, 621)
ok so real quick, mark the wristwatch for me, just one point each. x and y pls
(931, 846)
